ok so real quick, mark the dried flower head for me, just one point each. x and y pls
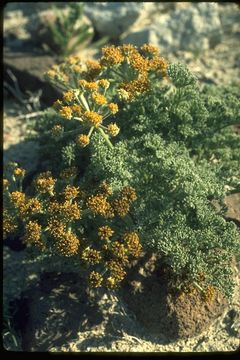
(130, 193)
(69, 172)
(57, 130)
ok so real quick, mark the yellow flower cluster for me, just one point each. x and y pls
(18, 198)
(95, 279)
(77, 109)
(68, 244)
(93, 118)
(129, 193)
(30, 207)
(45, 183)
(99, 99)
(121, 206)
(32, 236)
(113, 108)
(133, 243)
(71, 192)
(67, 210)
(99, 205)
(111, 56)
(120, 252)
(93, 69)
(66, 112)
(9, 224)
(73, 59)
(56, 228)
(134, 88)
(19, 172)
(117, 271)
(104, 83)
(105, 188)
(60, 215)
(91, 256)
(150, 49)
(139, 63)
(113, 129)
(83, 140)
(89, 85)
(105, 232)
(68, 96)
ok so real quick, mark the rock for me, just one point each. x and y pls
(160, 310)
(192, 28)
(112, 19)
(52, 313)
(233, 204)
(29, 69)
(143, 36)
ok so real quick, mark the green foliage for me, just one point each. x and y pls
(67, 35)
(177, 148)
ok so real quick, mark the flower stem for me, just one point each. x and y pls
(106, 138)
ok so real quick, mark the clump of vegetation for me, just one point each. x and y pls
(67, 32)
(151, 154)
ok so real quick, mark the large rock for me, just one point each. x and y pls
(112, 19)
(148, 295)
(192, 28)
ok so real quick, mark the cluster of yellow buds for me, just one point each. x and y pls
(32, 236)
(142, 62)
(86, 95)
(9, 224)
(45, 183)
(52, 223)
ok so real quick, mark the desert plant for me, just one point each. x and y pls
(143, 128)
(66, 31)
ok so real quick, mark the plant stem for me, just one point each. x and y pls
(198, 286)
(106, 138)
